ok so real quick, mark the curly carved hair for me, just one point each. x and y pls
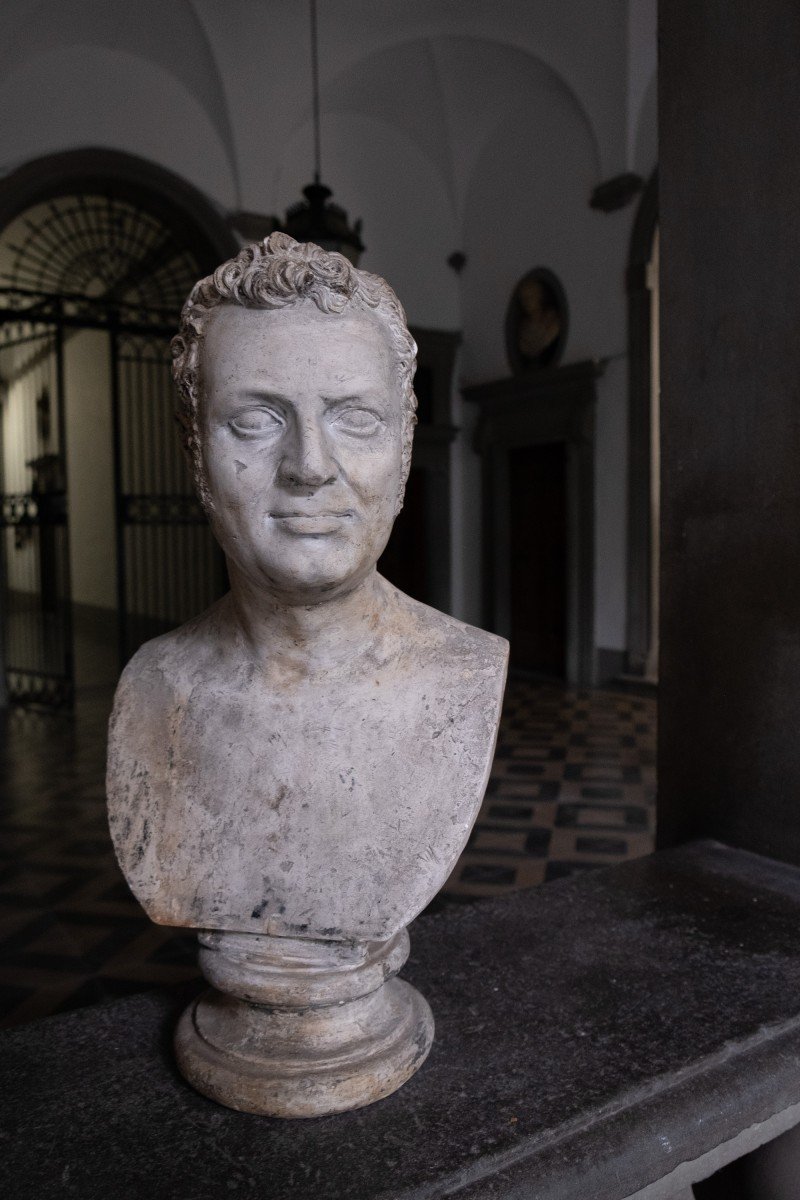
(272, 274)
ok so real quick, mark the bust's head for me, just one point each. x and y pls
(297, 410)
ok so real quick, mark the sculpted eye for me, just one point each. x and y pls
(357, 420)
(255, 421)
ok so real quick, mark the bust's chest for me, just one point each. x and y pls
(342, 748)
(337, 808)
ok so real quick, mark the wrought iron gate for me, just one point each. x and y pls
(169, 566)
(34, 553)
(102, 262)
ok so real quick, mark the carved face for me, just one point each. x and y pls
(302, 425)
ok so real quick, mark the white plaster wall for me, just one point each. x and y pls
(26, 370)
(642, 66)
(138, 77)
(19, 431)
(90, 468)
(74, 97)
(645, 145)
(19, 445)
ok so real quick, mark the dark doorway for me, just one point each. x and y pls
(404, 562)
(417, 557)
(538, 582)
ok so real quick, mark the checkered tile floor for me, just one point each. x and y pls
(571, 788)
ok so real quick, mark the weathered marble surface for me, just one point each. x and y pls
(304, 760)
(324, 1027)
(333, 807)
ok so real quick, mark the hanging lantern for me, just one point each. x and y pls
(317, 219)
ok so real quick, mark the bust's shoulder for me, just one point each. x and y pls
(450, 640)
(166, 666)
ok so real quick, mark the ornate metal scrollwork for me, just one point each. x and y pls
(36, 687)
(162, 510)
(19, 508)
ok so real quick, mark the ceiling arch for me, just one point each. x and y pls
(169, 36)
(449, 94)
(82, 96)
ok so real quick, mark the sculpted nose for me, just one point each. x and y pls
(307, 460)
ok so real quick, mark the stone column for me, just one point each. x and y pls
(729, 740)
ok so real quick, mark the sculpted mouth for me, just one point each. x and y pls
(312, 524)
(325, 514)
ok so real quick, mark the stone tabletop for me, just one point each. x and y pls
(591, 1035)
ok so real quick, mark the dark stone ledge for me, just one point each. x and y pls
(591, 1036)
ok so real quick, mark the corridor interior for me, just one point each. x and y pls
(571, 789)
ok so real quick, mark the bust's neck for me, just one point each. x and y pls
(307, 638)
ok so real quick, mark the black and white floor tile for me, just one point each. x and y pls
(572, 788)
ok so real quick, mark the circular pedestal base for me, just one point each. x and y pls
(306, 1063)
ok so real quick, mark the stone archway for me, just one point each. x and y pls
(99, 531)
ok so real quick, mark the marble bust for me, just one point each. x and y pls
(294, 772)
